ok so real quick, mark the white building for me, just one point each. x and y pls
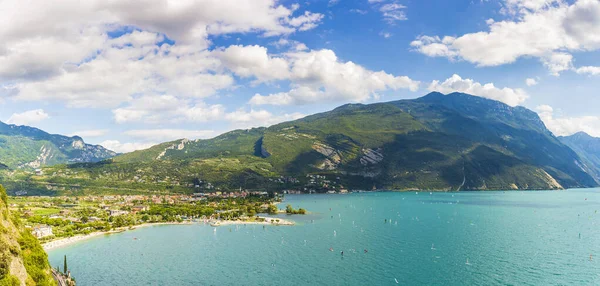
(42, 231)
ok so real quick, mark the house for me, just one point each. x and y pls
(140, 208)
(117, 212)
(42, 231)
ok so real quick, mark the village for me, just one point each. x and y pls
(51, 218)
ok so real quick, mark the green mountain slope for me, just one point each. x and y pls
(436, 142)
(22, 259)
(28, 147)
(588, 148)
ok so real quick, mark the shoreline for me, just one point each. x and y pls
(65, 241)
(57, 243)
(268, 221)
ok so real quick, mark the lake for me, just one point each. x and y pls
(461, 238)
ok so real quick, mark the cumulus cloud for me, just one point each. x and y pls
(66, 51)
(318, 76)
(531, 82)
(28, 117)
(589, 70)
(119, 147)
(161, 135)
(547, 30)
(564, 126)
(455, 83)
(90, 133)
(253, 61)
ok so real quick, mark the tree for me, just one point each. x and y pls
(272, 209)
(65, 265)
(85, 219)
(289, 209)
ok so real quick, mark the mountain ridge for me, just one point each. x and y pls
(435, 142)
(29, 147)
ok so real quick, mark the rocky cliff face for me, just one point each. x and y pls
(22, 259)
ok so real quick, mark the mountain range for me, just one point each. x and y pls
(29, 147)
(437, 142)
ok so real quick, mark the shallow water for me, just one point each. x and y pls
(508, 238)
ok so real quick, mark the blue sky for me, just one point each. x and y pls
(128, 75)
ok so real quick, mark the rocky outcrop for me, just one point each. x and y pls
(176, 146)
(333, 156)
(371, 157)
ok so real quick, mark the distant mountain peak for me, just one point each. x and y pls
(23, 146)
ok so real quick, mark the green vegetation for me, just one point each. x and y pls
(437, 142)
(23, 146)
(85, 215)
(290, 210)
(35, 259)
(18, 244)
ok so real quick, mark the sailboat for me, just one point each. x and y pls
(468, 262)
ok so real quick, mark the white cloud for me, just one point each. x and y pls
(162, 135)
(393, 12)
(589, 70)
(358, 11)
(455, 83)
(531, 82)
(435, 46)
(259, 118)
(564, 126)
(291, 44)
(62, 52)
(319, 76)
(166, 109)
(385, 34)
(28, 117)
(119, 147)
(253, 61)
(90, 133)
(547, 30)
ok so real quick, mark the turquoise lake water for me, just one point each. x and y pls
(508, 238)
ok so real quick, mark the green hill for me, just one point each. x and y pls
(28, 147)
(436, 142)
(22, 259)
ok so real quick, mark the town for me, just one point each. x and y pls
(52, 218)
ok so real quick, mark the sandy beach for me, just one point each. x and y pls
(73, 239)
(268, 221)
(70, 240)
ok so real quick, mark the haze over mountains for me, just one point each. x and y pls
(436, 142)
